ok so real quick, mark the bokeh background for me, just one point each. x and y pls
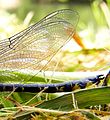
(93, 28)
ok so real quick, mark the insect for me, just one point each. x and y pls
(52, 88)
(35, 46)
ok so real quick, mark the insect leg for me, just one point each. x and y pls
(107, 77)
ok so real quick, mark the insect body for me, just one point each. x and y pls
(41, 41)
(52, 88)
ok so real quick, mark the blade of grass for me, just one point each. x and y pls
(84, 98)
(57, 77)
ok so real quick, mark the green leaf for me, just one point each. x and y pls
(83, 98)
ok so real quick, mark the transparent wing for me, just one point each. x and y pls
(36, 45)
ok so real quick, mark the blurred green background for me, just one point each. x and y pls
(93, 27)
(93, 24)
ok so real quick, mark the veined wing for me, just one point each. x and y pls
(39, 42)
